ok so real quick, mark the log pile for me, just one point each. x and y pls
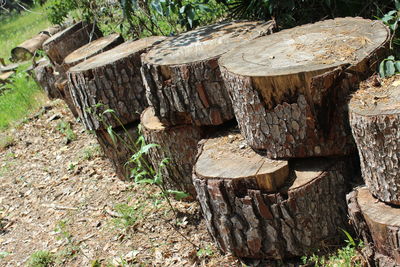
(45, 77)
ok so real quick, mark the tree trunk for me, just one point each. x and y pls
(111, 80)
(176, 143)
(375, 122)
(120, 151)
(378, 224)
(62, 87)
(289, 90)
(182, 78)
(255, 207)
(46, 77)
(91, 49)
(27, 49)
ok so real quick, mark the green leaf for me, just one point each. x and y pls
(156, 5)
(397, 65)
(390, 69)
(178, 194)
(110, 131)
(397, 4)
(108, 111)
(349, 238)
(390, 58)
(146, 148)
(382, 69)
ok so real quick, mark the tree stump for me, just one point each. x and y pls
(91, 49)
(46, 77)
(27, 49)
(113, 80)
(62, 87)
(255, 207)
(378, 224)
(289, 89)
(374, 112)
(178, 144)
(183, 81)
(120, 151)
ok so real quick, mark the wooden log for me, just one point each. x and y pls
(378, 224)
(52, 30)
(5, 76)
(183, 81)
(62, 87)
(289, 90)
(254, 207)
(27, 49)
(112, 79)
(45, 76)
(91, 49)
(121, 148)
(374, 112)
(178, 144)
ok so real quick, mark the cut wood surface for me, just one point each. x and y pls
(305, 215)
(289, 89)
(4, 76)
(112, 79)
(62, 86)
(178, 144)
(91, 49)
(378, 224)
(183, 81)
(27, 49)
(374, 112)
(45, 76)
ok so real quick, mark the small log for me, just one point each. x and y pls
(120, 148)
(378, 224)
(4, 76)
(178, 144)
(254, 207)
(183, 81)
(112, 79)
(52, 30)
(374, 112)
(289, 90)
(91, 49)
(62, 87)
(27, 49)
(45, 77)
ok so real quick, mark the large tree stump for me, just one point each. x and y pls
(378, 224)
(91, 49)
(183, 81)
(112, 79)
(178, 144)
(289, 89)
(375, 121)
(120, 148)
(46, 77)
(255, 208)
(27, 49)
(62, 87)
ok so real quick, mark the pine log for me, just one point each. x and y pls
(378, 224)
(45, 76)
(91, 49)
(27, 49)
(112, 79)
(176, 143)
(374, 112)
(5, 76)
(62, 87)
(255, 207)
(120, 148)
(289, 89)
(52, 30)
(183, 81)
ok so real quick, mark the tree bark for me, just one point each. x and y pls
(300, 213)
(27, 49)
(111, 80)
(375, 121)
(62, 87)
(289, 90)
(46, 77)
(183, 81)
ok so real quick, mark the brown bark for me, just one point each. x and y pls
(46, 77)
(27, 49)
(375, 122)
(62, 87)
(250, 222)
(182, 78)
(289, 90)
(176, 143)
(113, 80)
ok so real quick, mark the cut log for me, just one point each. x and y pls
(27, 49)
(62, 87)
(5, 76)
(178, 144)
(111, 79)
(52, 30)
(254, 207)
(46, 77)
(289, 89)
(378, 224)
(120, 148)
(374, 112)
(91, 49)
(183, 81)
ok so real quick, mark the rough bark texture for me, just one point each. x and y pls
(178, 144)
(27, 49)
(46, 77)
(378, 225)
(289, 90)
(183, 81)
(62, 87)
(113, 79)
(375, 122)
(120, 151)
(302, 218)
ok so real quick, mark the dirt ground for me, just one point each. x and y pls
(62, 196)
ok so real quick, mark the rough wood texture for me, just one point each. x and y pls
(120, 151)
(178, 144)
(183, 81)
(46, 77)
(378, 224)
(91, 49)
(113, 79)
(374, 112)
(304, 216)
(289, 89)
(62, 87)
(27, 49)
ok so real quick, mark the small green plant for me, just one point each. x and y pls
(129, 215)
(91, 152)
(205, 252)
(3, 254)
(41, 258)
(62, 230)
(66, 129)
(6, 142)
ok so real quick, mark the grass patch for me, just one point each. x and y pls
(6, 142)
(41, 258)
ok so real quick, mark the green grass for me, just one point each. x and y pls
(42, 258)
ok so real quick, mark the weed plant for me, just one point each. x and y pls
(41, 258)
